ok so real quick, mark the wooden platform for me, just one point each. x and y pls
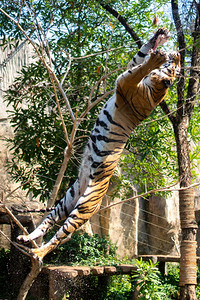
(123, 269)
(72, 272)
(55, 281)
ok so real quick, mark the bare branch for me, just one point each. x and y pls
(14, 244)
(8, 211)
(97, 83)
(166, 189)
(59, 110)
(167, 111)
(59, 177)
(128, 28)
(182, 45)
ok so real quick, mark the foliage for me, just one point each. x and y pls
(119, 288)
(194, 140)
(38, 143)
(152, 285)
(148, 280)
(84, 249)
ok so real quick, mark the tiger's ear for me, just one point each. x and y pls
(168, 82)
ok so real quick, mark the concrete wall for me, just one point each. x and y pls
(11, 62)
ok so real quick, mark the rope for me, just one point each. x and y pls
(186, 204)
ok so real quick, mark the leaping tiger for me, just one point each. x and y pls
(138, 91)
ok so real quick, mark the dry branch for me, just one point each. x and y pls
(166, 189)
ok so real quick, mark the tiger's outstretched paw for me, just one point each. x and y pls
(23, 239)
(161, 36)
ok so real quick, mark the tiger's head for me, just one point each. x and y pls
(170, 69)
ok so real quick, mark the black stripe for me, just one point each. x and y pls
(65, 230)
(102, 124)
(72, 192)
(140, 114)
(50, 217)
(141, 54)
(108, 140)
(96, 184)
(59, 213)
(110, 119)
(101, 153)
(134, 60)
(94, 191)
(93, 138)
(128, 104)
(72, 224)
(87, 209)
(66, 211)
(103, 177)
(96, 164)
(119, 134)
(97, 130)
(98, 173)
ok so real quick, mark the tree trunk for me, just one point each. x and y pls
(188, 268)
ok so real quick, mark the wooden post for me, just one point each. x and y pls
(188, 264)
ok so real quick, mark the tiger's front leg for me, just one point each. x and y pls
(132, 77)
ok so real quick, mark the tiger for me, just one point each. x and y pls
(138, 90)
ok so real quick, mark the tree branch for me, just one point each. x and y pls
(167, 111)
(128, 28)
(166, 189)
(181, 46)
(194, 71)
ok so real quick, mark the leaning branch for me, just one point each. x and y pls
(128, 28)
(8, 211)
(181, 45)
(166, 189)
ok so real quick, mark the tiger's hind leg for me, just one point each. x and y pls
(59, 213)
(86, 207)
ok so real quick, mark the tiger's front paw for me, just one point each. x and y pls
(161, 36)
(158, 58)
(23, 239)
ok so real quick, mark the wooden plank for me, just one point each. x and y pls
(110, 270)
(163, 258)
(71, 272)
(82, 271)
(97, 270)
(63, 271)
(126, 269)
